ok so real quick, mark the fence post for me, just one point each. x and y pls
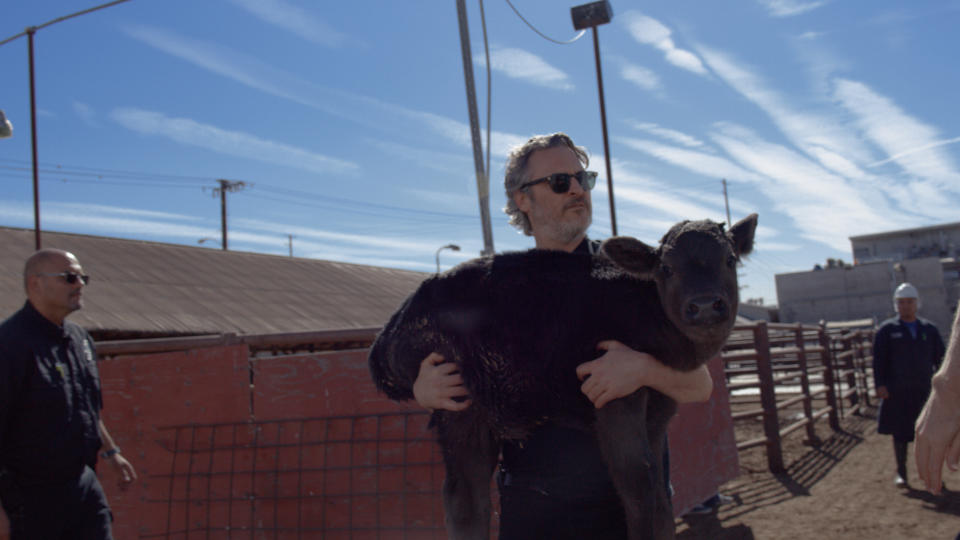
(805, 384)
(850, 366)
(866, 339)
(768, 397)
(826, 358)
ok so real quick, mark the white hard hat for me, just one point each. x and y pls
(906, 290)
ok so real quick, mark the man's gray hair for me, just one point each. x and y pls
(516, 171)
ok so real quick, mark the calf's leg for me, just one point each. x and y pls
(635, 463)
(470, 453)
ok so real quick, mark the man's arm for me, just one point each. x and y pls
(621, 371)
(938, 427)
(437, 383)
(120, 463)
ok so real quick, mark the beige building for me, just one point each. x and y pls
(926, 257)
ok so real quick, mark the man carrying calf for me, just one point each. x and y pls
(554, 484)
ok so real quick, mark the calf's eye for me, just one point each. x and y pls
(666, 271)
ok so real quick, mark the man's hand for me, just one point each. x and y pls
(124, 469)
(883, 393)
(938, 438)
(622, 371)
(438, 383)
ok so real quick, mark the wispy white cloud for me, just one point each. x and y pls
(104, 209)
(106, 220)
(915, 145)
(364, 110)
(525, 66)
(86, 113)
(766, 240)
(808, 129)
(825, 206)
(446, 162)
(448, 200)
(789, 8)
(234, 143)
(294, 19)
(380, 241)
(666, 133)
(640, 76)
(915, 150)
(649, 31)
(709, 165)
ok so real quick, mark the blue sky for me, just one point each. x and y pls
(829, 118)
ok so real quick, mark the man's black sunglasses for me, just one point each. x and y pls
(560, 182)
(69, 277)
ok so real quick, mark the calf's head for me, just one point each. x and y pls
(695, 269)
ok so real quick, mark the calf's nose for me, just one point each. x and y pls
(706, 310)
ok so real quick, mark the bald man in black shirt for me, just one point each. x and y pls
(50, 402)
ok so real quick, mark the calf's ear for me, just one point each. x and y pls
(742, 234)
(631, 254)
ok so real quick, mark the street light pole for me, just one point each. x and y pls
(29, 32)
(454, 247)
(590, 16)
(33, 136)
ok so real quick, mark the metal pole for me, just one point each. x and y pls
(223, 212)
(33, 137)
(603, 123)
(290, 243)
(483, 182)
(726, 202)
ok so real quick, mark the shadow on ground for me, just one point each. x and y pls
(753, 492)
(948, 502)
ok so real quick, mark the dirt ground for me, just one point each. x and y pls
(842, 488)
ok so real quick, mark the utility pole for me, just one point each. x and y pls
(726, 202)
(225, 186)
(290, 243)
(483, 180)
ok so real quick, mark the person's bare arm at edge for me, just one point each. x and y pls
(621, 371)
(120, 463)
(938, 427)
(438, 383)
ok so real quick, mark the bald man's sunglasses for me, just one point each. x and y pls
(69, 277)
(560, 182)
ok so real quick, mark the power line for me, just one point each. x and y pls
(117, 173)
(544, 36)
(93, 172)
(60, 19)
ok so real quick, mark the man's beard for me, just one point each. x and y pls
(568, 231)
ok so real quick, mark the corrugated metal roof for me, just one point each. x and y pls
(142, 288)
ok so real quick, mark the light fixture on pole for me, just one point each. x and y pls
(206, 239)
(454, 247)
(6, 128)
(590, 16)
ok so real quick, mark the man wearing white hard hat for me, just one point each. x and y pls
(907, 350)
